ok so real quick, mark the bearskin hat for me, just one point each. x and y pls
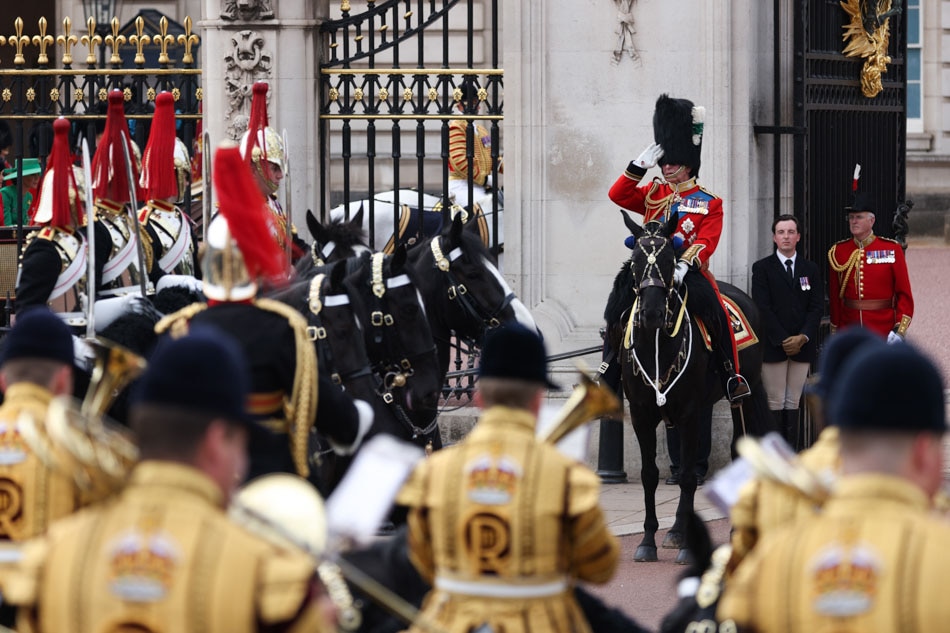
(860, 200)
(678, 129)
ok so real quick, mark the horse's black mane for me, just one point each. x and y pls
(621, 297)
(346, 234)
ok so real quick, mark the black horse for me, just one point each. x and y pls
(337, 240)
(463, 290)
(667, 370)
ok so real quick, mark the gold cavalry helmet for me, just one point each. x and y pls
(238, 245)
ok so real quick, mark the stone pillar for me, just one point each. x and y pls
(276, 42)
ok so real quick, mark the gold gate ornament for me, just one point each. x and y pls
(867, 35)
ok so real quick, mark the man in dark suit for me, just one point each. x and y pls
(788, 292)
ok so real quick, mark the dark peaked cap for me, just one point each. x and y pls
(889, 388)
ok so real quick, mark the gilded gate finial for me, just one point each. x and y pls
(19, 41)
(93, 40)
(164, 40)
(139, 41)
(67, 41)
(188, 40)
(43, 41)
(115, 41)
(867, 36)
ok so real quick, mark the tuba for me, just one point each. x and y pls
(772, 459)
(589, 400)
(78, 439)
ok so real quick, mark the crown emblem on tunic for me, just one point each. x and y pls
(845, 579)
(142, 566)
(492, 480)
(13, 449)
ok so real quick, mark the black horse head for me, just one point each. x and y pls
(337, 240)
(396, 332)
(652, 263)
(462, 288)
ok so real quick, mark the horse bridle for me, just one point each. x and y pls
(385, 376)
(487, 318)
(652, 278)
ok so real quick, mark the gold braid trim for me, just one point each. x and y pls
(847, 267)
(176, 323)
(302, 408)
(652, 203)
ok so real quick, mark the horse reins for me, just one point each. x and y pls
(457, 291)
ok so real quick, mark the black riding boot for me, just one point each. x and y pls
(790, 428)
(778, 421)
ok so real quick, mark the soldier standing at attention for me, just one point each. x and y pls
(163, 555)
(502, 524)
(872, 560)
(868, 283)
(678, 198)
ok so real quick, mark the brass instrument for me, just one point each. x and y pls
(289, 512)
(77, 439)
(773, 462)
(588, 401)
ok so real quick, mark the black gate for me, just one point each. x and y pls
(842, 126)
(391, 82)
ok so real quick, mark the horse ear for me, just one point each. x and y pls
(670, 227)
(398, 261)
(456, 228)
(317, 232)
(357, 220)
(635, 229)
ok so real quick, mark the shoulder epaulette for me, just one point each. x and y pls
(708, 192)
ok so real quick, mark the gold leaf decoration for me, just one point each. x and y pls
(868, 36)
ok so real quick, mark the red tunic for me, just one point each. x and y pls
(869, 286)
(699, 219)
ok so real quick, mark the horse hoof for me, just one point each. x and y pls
(645, 554)
(684, 557)
(674, 540)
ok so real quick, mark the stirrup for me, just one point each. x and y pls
(737, 388)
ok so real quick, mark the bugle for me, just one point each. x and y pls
(589, 400)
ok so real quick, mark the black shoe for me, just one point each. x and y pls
(737, 388)
(673, 480)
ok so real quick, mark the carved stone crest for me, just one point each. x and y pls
(248, 61)
(247, 10)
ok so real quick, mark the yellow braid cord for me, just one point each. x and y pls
(679, 317)
(657, 207)
(302, 408)
(847, 267)
(628, 331)
(176, 323)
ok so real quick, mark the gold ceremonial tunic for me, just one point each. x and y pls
(161, 556)
(765, 505)
(32, 495)
(501, 525)
(874, 560)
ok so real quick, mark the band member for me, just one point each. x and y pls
(264, 151)
(162, 555)
(36, 364)
(678, 197)
(286, 401)
(480, 168)
(852, 567)
(54, 260)
(502, 524)
(788, 291)
(868, 283)
(111, 193)
(166, 169)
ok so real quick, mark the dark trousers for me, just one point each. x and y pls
(705, 444)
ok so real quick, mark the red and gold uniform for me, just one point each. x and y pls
(162, 556)
(873, 560)
(460, 169)
(868, 285)
(502, 525)
(698, 213)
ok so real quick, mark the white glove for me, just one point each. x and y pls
(649, 156)
(680, 272)
(181, 281)
(894, 337)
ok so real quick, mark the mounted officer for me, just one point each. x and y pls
(54, 260)
(166, 168)
(678, 132)
(286, 401)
